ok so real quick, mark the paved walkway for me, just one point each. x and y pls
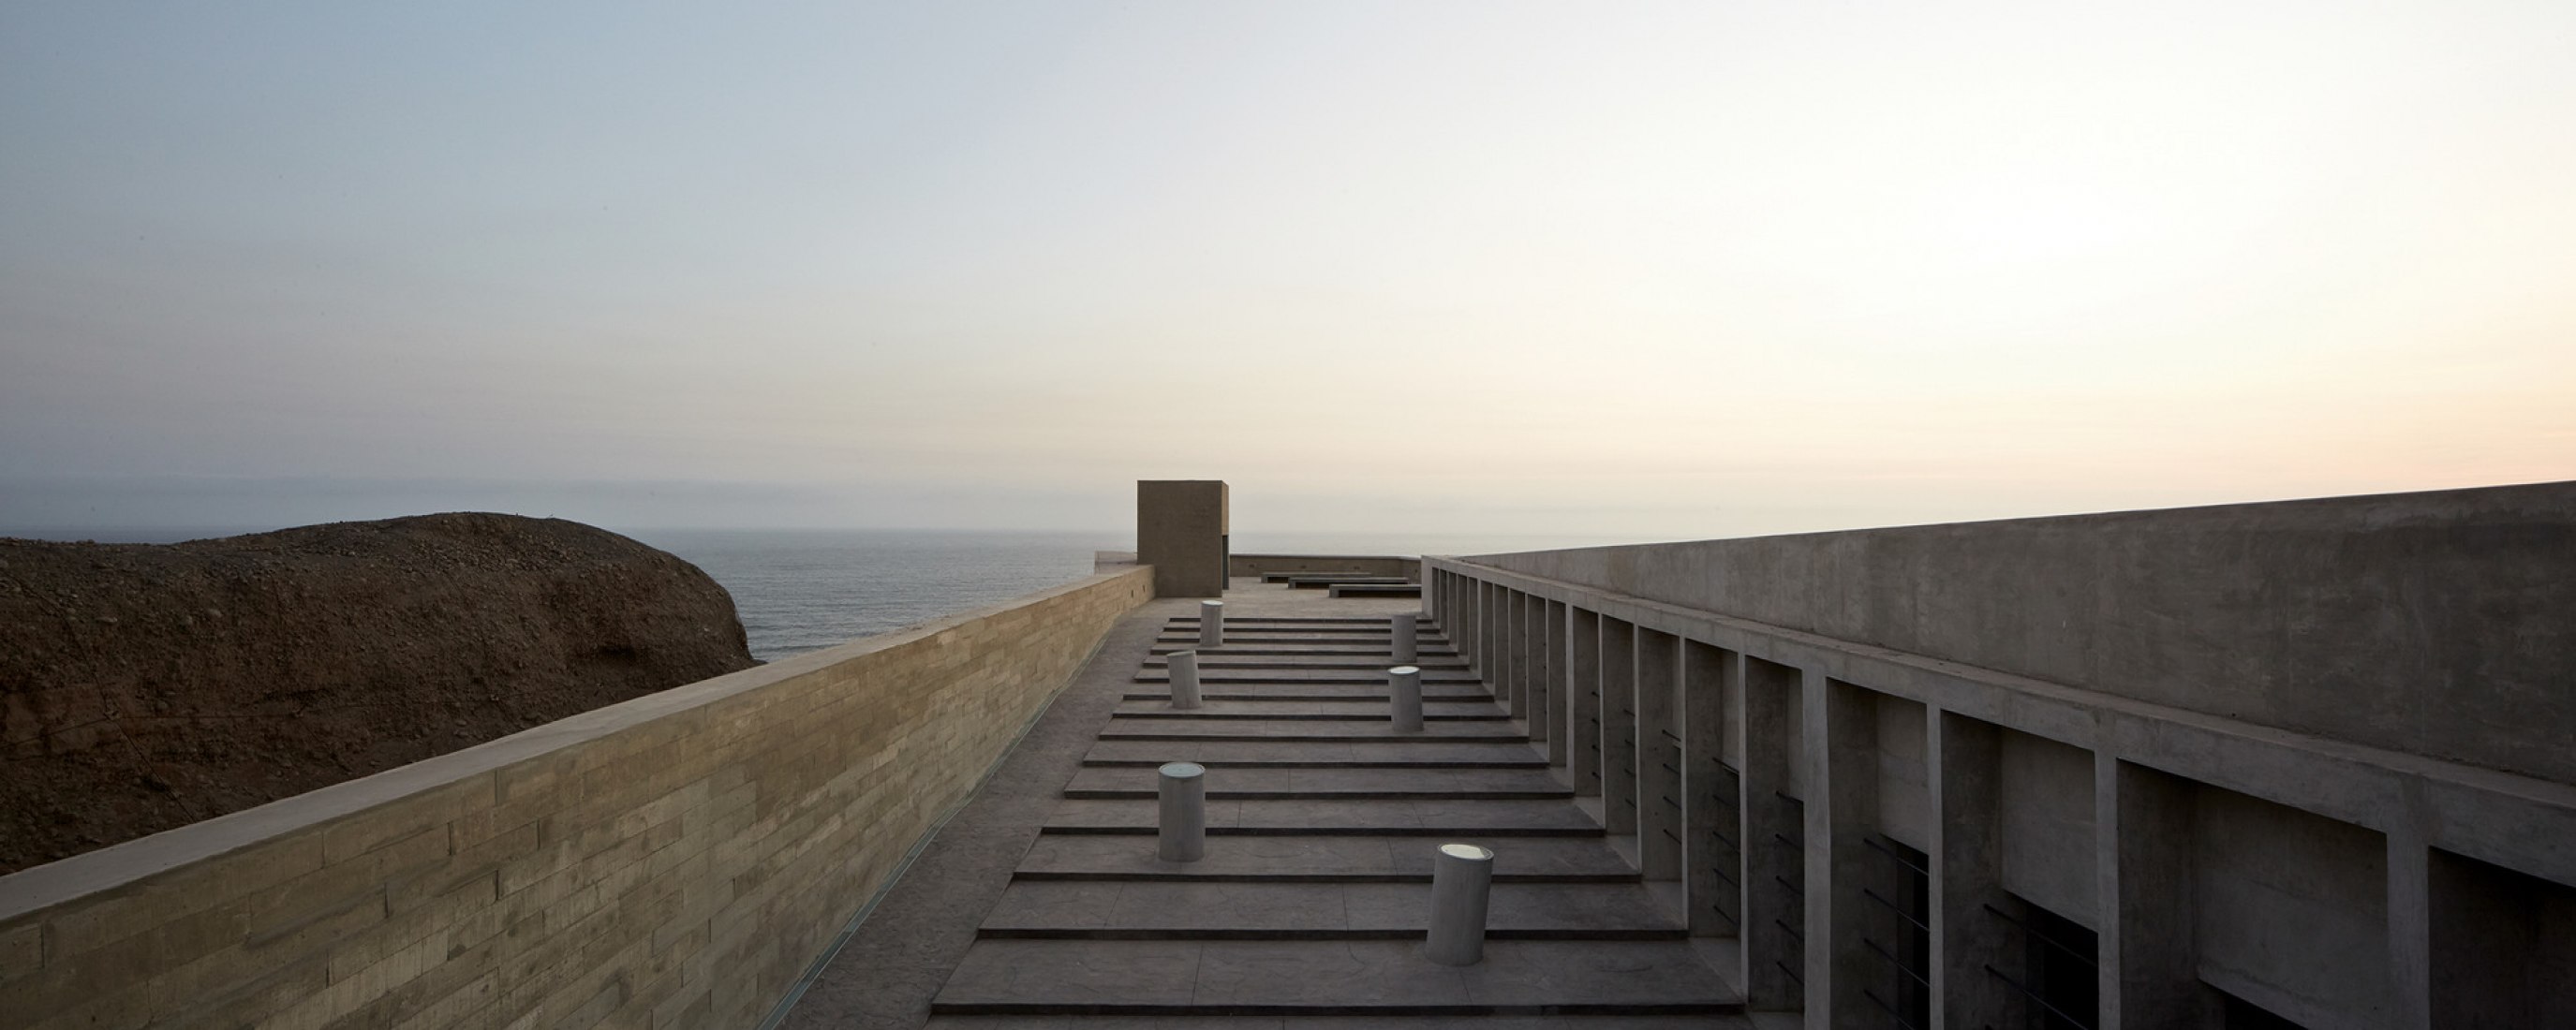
(1043, 904)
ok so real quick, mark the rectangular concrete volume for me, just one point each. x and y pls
(1314, 893)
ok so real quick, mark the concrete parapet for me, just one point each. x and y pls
(2432, 623)
(678, 860)
(2154, 768)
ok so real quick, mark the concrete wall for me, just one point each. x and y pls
(2291, 910)
(2310, 754)
(1375, 565)
(2432, 623)
(2045, 814)
(673, 861)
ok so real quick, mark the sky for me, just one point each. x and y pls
(1609, 271)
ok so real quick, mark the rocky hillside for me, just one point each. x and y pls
(147, 686)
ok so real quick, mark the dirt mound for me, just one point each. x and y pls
(146, 686)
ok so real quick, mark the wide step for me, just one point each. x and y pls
(1257, 910)
(1324, 859)
(1329, 784)
(1330, 978)
(1390, 753)
(1501, 818)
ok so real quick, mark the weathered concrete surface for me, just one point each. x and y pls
(2432, 623)
(676, 860)
(1181, 530)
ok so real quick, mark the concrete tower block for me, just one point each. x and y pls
(1181, 532)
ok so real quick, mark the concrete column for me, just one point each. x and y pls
(1618, 726)
(1583, 698)
(2410, 916)
(1462, 620)
(1181, 788)
(1713, 868)
(1211, 624)
(1554, 709)
(1407, 638)
(1183, 667)
(1770, 834)
(2142, 835)
(1841, 731)
(1659, 755)
(1510, 685)
(1432, 581)
(1404, 691)
(1964, 775)
(1489, 625)
(1462, 878)
(1533, 658)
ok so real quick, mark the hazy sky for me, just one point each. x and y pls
(1614, 269)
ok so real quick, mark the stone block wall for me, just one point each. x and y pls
(674, 861)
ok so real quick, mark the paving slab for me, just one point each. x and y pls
(1288, 709)
(1306, 660)
(1281, 634)
(1373, 674)
(1313, 692)
(1232, 618)
(1263, 910)
(1237, 978)
(1390, 752)
(1494, 817)
(1239, 784)
(1422, 649)
(1219, 729)
(1384, 858)
(1729, 1022)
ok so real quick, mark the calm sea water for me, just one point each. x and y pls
(799, 590)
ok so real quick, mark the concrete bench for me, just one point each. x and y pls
(1377, 589)
(1308, 582)
(1282, 577)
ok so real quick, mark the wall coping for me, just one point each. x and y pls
(56, 883)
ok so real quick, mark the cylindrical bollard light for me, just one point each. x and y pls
(1462, 879)
(1182, 788)
(1404, 689)
(1405, 651)
(1184, 669)
(1211, 624)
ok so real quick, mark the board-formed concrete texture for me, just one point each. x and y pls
(2147, 769)
(1181, 530)
(678, 860)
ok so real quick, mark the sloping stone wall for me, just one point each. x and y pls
(673, 861)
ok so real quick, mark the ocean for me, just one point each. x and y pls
(801, 590)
